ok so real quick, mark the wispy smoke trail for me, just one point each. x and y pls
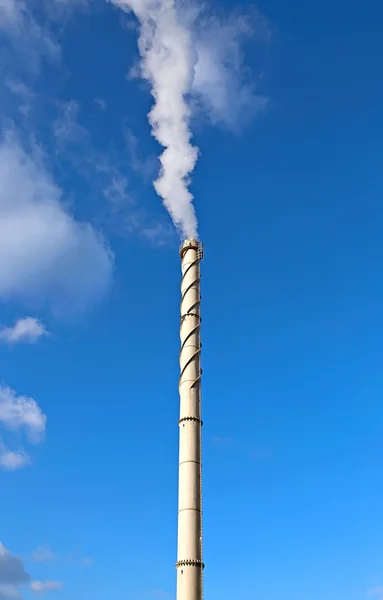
(167, 62)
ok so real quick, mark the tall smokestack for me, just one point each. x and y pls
(189, 559)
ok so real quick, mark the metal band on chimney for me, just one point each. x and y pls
(190, 563)
(196, 419)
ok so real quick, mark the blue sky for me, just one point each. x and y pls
(288, 199)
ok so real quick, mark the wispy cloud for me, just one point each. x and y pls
(9, 592)
(116, 189)
(102, 172)
(14, 14)
(159, 594)
(22, 96)
(41, 587)
(66, 128)
(377, 591)
(138, 221)
(100, 103)
(158, 234)
(10, 12)
(19, 88)
(60, 9)
(28, 330)
(223, 86)
(222, 442)
(11, 460)
(21, 415)
(13, 577)
(28, 41)
(255, 453)
(145, 167)
(43, 553)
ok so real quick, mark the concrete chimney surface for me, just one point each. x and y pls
(189, 557)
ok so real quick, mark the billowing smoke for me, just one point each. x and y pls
(167, 62)
(192, 61)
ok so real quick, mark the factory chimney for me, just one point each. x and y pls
(189, 559)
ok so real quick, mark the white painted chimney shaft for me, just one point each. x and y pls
(189, 559)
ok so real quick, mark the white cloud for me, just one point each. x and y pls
(12, 461)
(45, 586)
(43, 553)
(22, 416)
(27, 330)
(46, 256)
(9, 592)
(13, 576)
(378, 591)
(12, 572)
(20, 413)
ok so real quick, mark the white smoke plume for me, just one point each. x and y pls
(167, 62)
(192, 61)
